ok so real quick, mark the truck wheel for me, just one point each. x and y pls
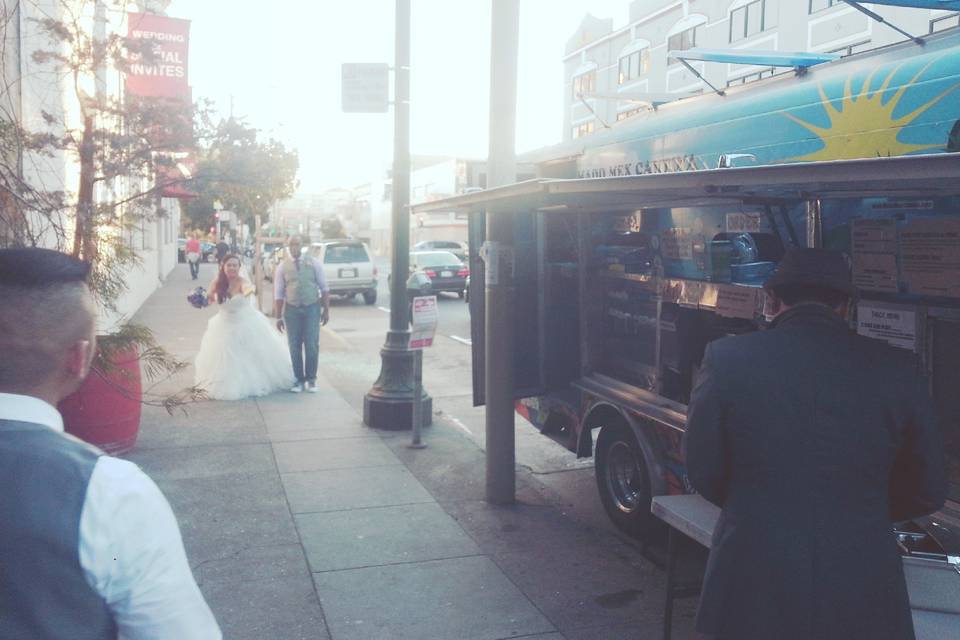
(370, 296)
(624, 481)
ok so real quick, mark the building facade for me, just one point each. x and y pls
(611, 72)
(42, 100)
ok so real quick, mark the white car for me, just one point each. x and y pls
(348, 267)
(457, 248)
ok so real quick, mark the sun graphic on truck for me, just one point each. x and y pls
(862, 124)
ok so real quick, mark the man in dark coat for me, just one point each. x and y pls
(812, 440)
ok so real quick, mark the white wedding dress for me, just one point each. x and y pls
(242, 354)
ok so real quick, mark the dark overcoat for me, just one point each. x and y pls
(812, 440)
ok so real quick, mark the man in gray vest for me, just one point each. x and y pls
(301, 304)
(89, 548)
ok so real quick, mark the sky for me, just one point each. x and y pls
(279, 63)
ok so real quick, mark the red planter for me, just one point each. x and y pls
(105, 410)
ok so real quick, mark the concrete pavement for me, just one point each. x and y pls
(300, 522)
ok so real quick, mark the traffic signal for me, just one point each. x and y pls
(216, 215)
(212, 229)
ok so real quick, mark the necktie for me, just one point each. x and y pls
(296, 263)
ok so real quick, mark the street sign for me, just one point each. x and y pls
(365, 87)
(425, 317)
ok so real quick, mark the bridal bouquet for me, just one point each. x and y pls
(198, 298)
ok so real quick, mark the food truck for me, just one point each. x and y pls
(638, 247)
(620, 283)
(615, 301)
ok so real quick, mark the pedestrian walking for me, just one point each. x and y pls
(301, 305)
(89, 547)
(194, 252)
(813, 440)
(222, 249)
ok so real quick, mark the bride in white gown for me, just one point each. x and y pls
(242, 354)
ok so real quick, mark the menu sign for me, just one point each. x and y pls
(930, 256)
(745, 223)
(737, 302)
(875, 255)
(894, 326)
(676, 244)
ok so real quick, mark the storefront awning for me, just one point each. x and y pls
(925, 176)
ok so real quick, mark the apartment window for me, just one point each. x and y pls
(750, 19)
(820, 5)
(686, 39)
(851, 49)
(584, 83)
(583, 129)
(633, 65)
(945, 22)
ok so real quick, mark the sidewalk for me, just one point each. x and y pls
(301, 523)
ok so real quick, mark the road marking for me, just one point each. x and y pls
(459, 424)
(384, 309)
(465, 341)
(336, 336)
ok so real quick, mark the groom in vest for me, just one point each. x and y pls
(89, 548)
(301, 304)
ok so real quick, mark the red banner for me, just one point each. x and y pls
(162, 73)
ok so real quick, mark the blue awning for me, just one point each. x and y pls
(919, 4)
(756, 57)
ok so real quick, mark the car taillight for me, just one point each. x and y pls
(430, 273)
(463, 273)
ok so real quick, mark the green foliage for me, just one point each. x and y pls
(246, 174)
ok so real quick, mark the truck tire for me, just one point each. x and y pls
(623, 481)
(370, 296)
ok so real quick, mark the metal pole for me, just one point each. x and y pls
(257, 262)
(389, 403)
(501, 169)
(814, 224)
(417, 442)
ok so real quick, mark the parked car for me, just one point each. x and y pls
(348, 267)
(445, 270)
(458, 249)
(207, 249)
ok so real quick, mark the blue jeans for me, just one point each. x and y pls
(303, 336)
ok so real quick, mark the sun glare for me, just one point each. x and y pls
(863, 126)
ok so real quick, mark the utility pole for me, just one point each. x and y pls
(389, 403)
(498, 323)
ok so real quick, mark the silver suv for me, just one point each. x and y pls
(348, 267)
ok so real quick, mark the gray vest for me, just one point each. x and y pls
(301, 285)
(43, 484)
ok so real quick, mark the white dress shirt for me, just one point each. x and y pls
(130, 546)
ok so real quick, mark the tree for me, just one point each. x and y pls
(81, 176)
(244, 173)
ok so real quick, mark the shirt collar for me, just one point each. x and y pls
(14, 406)
(810, 313)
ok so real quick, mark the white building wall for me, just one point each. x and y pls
(838, 28)
(35, 89)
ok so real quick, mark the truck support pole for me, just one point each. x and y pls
(501, 169)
